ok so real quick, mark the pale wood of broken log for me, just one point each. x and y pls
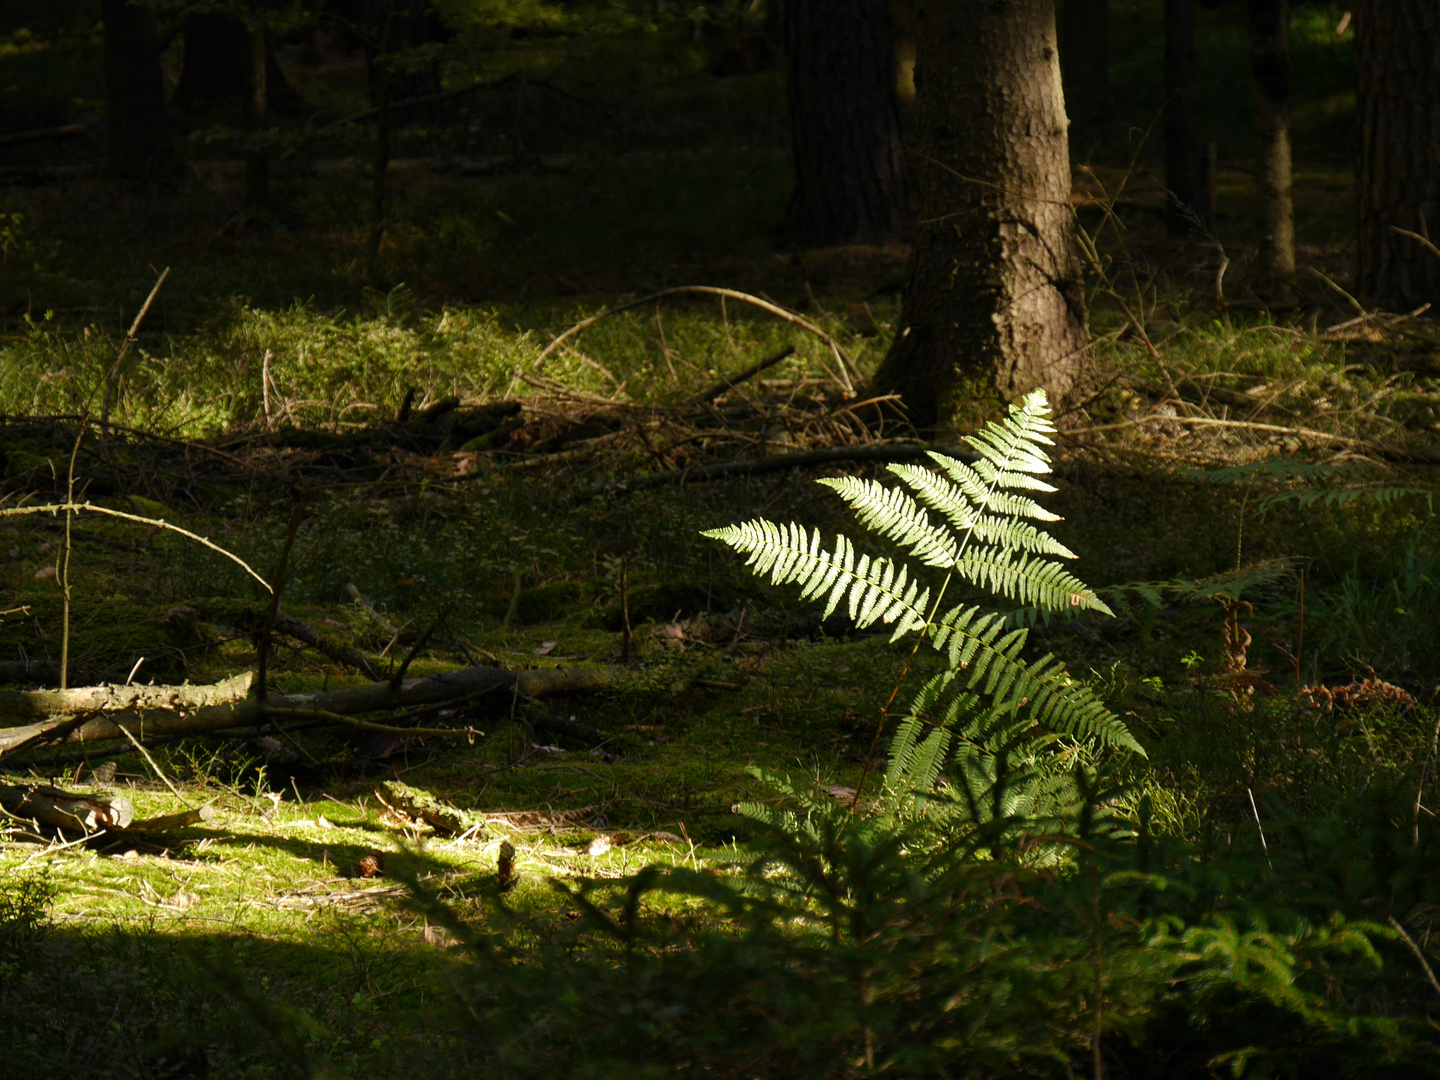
(63, 810)
(105, 698)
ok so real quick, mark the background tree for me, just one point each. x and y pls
(138, 142)
(1269, 22)
(218, 66)
(850, 172)
(993, 307)
(1085, 59)
(1186, 205)
(1397, 45)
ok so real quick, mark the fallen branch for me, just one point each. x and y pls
(332, 647)
(780, 462)
(375, 697)
(65, 131)
(201, 815)
(732, 381)
(159, 523)
(82, 813)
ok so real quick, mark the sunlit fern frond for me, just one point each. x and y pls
(991, 715)
(876, 589)
(1027, 579)
(893, 514)
(959, 493)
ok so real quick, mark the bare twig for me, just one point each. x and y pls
(125, 345)
(159, 523)
(399, 676)
(1424, 241)
(711, 393)
(367, 725)
(848, 370)
(1429, 972)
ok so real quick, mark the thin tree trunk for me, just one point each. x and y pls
(138, 141)
(218, 64)
(994, 305)
(257, 162)
(1085, 59)
(1270, 75)
(1185, 206)
(850, 177)
(380, 76)
(1397, 43)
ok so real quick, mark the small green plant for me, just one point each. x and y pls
(1011, 729)
(24, 918)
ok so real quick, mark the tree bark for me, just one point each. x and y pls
(850, 176)
(1085, 60)
(993, 307)
(1270, 76)
(1397, 44)
(139, 146)
(1185, 206)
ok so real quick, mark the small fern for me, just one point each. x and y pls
(990, 718)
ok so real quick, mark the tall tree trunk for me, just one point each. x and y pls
(994, 305)
(1085, 59)
(1185, 207)
(1397, 44)
(1270, 74)
(138, 141)
(850, 176)
(218, 65)
(411, 25)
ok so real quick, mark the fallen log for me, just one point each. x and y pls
(350, 701)
(111, 698)
(61, 809)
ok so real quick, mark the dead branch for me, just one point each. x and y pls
(375, 697)
(780, 462)
(201, 815)
(725, 384)
(65, 131)
(323, 643)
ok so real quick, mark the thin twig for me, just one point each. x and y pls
(1429, 973)
(847, 368)
(1424, 241)
(269, 628)
(399, 676)
(146, 755)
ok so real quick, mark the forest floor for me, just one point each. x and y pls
(1275, 468)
